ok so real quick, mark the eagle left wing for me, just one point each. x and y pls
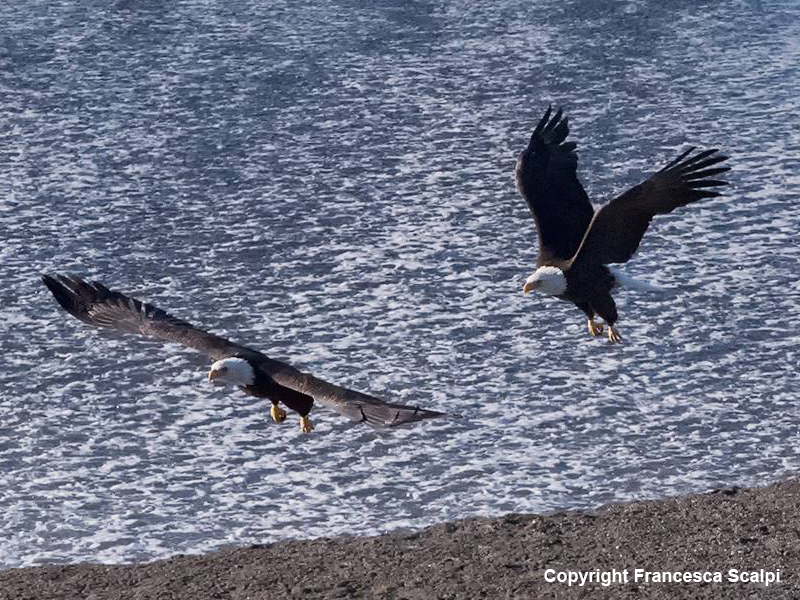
(357, 406)
(617, 229)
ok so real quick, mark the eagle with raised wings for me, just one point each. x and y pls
(254, 372)
(577, 244)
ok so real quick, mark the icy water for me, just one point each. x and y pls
(331, 182)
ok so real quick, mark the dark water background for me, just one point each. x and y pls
(332, 183)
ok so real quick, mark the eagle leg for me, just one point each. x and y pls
(613, 335)
(305, 424)
(277, 413)
(595, 329)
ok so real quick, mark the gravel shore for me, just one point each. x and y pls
(501, 558)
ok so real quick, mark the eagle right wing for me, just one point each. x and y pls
(95, 304)
(546, 175)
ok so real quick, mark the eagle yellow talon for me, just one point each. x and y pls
(305, 425)
(595, 329)
(613, 335)
(277, 413)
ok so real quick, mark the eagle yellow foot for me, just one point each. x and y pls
(613, 335)
(277, 413)
(305, 425)
(595, 329)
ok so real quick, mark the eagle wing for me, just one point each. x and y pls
(546, 176)
(93, 303)
(357, 406)
(618, 227)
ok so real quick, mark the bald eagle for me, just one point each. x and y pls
(576, 244)
(255, 373)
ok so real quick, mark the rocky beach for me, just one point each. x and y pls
(727, 543)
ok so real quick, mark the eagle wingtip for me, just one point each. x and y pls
(54, 282)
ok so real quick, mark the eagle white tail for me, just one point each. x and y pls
(629, 282)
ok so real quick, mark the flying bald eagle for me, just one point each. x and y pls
(576, 244)
(254, 372)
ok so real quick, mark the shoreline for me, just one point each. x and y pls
(750, 530)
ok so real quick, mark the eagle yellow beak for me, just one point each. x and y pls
(527, 287)
(213, 374)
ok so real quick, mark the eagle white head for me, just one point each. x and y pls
(232, 370)
(548, 280)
